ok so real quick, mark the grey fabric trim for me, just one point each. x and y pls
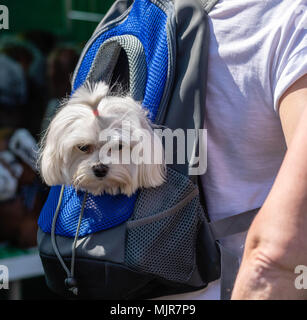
(208, 4)
(106, 59)
(232, 225)
(162, 4)
(106, 245)
(118, 10)
(137, 223)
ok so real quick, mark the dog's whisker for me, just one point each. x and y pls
(78, 180)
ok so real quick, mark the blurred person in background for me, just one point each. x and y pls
(60, 67)
(44, 41)
(21, 192)
(33, 74)
(33, 63)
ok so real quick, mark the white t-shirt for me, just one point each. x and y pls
(258, 48)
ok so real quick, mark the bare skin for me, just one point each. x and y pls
(277, 240)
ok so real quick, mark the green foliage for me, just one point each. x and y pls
(51, 15)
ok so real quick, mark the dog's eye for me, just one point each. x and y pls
(87, 148)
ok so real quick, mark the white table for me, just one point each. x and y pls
(22, 267)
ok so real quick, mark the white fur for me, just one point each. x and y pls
(61, 162)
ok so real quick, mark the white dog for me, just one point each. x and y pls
(89, 141)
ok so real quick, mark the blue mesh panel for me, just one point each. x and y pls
(148, 23)
(100, 213)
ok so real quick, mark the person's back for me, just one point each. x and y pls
(257, 50)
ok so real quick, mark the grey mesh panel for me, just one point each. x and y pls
(165, 245)
(209, 4)
(164, 214)
(164, 197)
(106, 59)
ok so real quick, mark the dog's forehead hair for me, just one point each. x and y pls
(108, 122)
(113, 121)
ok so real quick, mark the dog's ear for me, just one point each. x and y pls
(51, 158)
(152, 172)
(50, 164)
(151, 175)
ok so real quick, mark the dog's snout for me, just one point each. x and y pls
(100, 170)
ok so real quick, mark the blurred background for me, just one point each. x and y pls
(38, 54)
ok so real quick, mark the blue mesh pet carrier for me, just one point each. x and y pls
(158, 241)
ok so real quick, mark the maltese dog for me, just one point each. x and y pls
(101, 142)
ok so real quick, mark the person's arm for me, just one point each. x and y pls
(277, 239)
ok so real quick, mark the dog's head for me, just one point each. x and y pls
(101, 142)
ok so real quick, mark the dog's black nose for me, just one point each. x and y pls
(100, 170)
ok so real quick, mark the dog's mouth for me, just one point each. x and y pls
(102, 179)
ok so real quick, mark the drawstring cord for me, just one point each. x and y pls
(70, 281)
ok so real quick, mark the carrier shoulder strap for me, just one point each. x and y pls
(188, 92)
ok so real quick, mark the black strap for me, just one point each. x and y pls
(232, 225)
(230, 262)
